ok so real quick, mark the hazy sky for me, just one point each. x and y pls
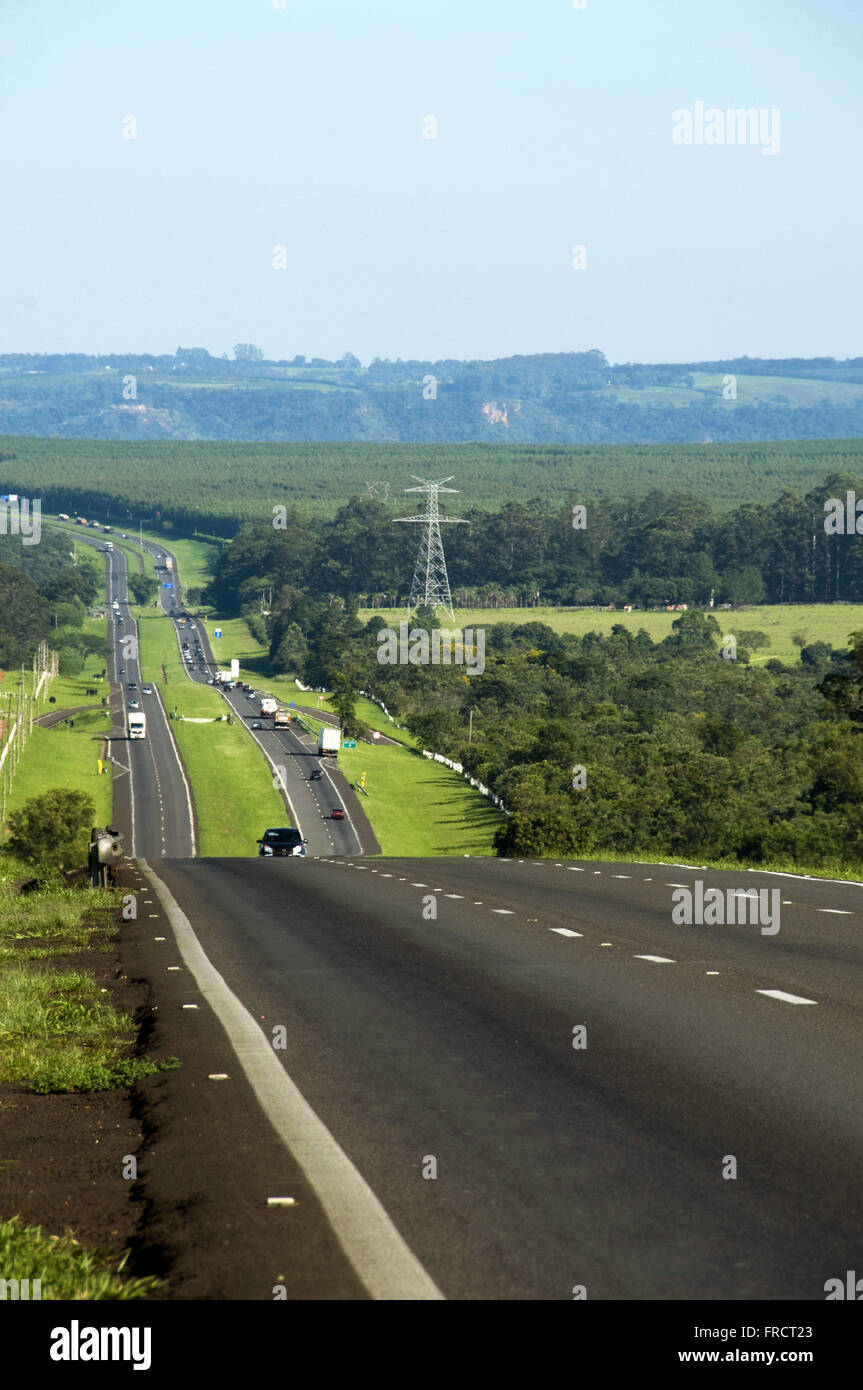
(302, 127)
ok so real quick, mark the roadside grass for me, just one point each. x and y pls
(231, 781)
(66, 1269)
(67, 757)
(417, 807)
(58, 1030)
(817, 622)
(237, 641)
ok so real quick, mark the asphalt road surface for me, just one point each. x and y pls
(602, 1159)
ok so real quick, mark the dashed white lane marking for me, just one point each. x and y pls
(677, 885)
(190, 1006)
(574, 870)
(711, 972)
(658, 960)
(836, 911)
(564, 931)
(605, 943)
(786, 998)
(503, 911)
(648, 880)
(453, 895)
(413, 885)
(620, 875)
(597, 871)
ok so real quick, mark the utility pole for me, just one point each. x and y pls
(430, 585)
(470, 727)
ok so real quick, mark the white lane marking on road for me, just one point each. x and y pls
(573, 870)
(190, 1006)
(677, 885)
(711, 972)
(382, 1259)
(809, 878)
(413, 885)
(620, 875)
(453, 895)
(503, 911)
(605, 943)
(786, 998)
(648, 880)
(658, 960)
(564, 931)
(836, 911)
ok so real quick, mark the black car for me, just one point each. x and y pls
(285, 841)
(316, 775)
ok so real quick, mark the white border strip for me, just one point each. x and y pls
(383, 1261)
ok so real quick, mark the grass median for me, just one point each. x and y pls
(231, 781)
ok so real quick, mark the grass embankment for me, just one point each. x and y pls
(816, 622)
(231, 782)
(60, 1033)
(418, 807)
(67, 757)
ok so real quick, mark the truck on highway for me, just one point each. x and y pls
(328, 742)
(282, 718)
(109, 545)
(169, 563)
(268, 705)
(137, 725)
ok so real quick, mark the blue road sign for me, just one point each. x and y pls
(217, 632)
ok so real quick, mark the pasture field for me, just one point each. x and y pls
(815, 622)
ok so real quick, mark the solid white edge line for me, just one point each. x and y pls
(382, 1259)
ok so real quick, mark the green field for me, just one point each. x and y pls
(232, 785)
(816, 622)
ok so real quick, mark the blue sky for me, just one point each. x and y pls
(302, 127)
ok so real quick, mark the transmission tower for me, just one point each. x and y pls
(430, 584)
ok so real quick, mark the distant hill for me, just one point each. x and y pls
(551, 398)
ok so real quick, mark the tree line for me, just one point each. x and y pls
(667, 548)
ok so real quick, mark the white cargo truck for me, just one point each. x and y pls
(329, 741)
(137, 725)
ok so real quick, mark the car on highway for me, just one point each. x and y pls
(337, 813)
(283, 840)
(256, 724)
(133, 704)
(132, 685)
(146, 689)
(316, 775)
(122, 671)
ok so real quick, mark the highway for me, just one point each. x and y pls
(153, 805)
(609, 1165)
(153, 802)
(290, 752)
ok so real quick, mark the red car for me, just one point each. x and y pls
(337, 813)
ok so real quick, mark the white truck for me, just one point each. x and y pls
(268, 706)
(137, 725)
(169, 563)
(329, 741)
